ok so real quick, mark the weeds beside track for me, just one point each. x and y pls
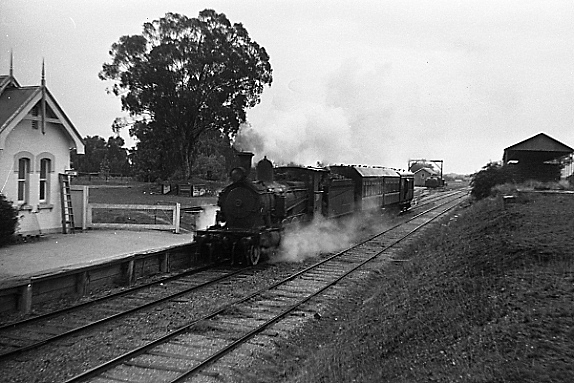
(488, 297)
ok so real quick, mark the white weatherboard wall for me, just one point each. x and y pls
(35, 218)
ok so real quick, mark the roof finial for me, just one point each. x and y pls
(43, 74)
(11, 63)
(43, 101)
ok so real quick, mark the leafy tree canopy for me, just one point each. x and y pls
(185, 76)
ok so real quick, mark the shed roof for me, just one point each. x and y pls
(541, 142)
(540, 147)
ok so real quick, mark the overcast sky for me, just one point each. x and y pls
(364, 82)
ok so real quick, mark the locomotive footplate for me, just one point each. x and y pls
(247, 247)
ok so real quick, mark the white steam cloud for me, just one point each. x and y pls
(325, 236)
(344, 117)
(206, 218)
(309, 241)
(248, 140)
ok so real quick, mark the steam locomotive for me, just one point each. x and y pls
(254, 211)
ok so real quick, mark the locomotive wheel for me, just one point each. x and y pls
(207, 251)
(253, 254)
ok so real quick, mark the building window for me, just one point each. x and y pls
(45, 169)
(23, 180)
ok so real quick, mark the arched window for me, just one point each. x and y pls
(23, 180)
(45, 170)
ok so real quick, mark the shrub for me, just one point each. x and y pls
(8, 220)
(492, 174)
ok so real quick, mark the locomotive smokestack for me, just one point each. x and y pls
(244, 159)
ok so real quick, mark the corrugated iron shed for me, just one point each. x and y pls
(537, 158)
(539, 148)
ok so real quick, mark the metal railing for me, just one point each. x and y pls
(135, 217)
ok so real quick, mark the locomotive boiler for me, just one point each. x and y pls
(253, 212)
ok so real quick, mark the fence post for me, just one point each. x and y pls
(177, 217)
(86, 198)
(89, 217)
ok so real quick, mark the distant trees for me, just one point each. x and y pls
(181, 79)
(103, 157)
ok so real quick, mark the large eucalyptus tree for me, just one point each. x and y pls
(183, 77)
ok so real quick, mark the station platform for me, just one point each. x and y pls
(52, 254)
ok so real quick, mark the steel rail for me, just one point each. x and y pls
(17, 325)
(117, 315)
(227, 349)
(13, 325)
(98, 370)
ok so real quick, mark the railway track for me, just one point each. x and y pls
(201, 349)
(437, 196)
(29, 334)
(81, 337)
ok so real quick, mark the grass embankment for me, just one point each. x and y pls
(488, 297)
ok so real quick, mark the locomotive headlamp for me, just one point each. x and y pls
(237, 174)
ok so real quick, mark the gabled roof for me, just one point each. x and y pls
(539, 148)
(13, 100)
(17, 101)
(429, 171)
(541, 143)
(6, 81)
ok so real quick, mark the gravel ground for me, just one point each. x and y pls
(74, 355)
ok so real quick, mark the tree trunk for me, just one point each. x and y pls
(187, 163)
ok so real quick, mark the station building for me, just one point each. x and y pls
(36, 138)
(425, 174)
